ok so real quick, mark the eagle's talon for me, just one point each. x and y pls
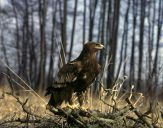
(73, 106)
(84, 108)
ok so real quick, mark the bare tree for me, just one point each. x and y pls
(33, 61)
(113, 43)
(132, 59)
(84, 21)
(24, 49)
(124, 40)
(141, 42)
(73, 29)
(17, 36)
(43, 51)
(6, 58)
(92, 11)
(64, 32)
(159, 27)
(52, 50)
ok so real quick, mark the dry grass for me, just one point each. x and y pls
(111, 109)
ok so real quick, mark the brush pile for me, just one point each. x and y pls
(113, 109)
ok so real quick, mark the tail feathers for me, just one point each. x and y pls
(57, 96)
(55, 100)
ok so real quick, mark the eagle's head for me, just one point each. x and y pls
(90, 49)
(93, 46)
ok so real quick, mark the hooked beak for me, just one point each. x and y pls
(100, 46)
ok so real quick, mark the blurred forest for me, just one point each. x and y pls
(38, 36)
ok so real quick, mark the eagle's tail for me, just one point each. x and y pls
(57, 96)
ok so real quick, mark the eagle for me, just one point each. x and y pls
(75, 76)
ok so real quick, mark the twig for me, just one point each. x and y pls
(141, 116)
(13, 80)
(68, 116)
(23, 105)
(21, 121)
(109, 105)
(24, 83)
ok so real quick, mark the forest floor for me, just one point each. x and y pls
(126, 110)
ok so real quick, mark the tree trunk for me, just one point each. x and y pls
(84, 21)
(42, 20)
(73, 30)
(32, 54)
(92, 10)
(124, 39)
(113, 43)
(17, 37)
(159, 28)
(25, 44)
(64, 33)
(141, 42)
(6, 60)
(132, 59)
(50, 74)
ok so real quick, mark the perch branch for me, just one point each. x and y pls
(67, 115)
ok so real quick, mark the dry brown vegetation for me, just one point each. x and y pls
(113, 109)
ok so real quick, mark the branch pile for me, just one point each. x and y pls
(124, 117)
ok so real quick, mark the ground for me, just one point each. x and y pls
(111, 110)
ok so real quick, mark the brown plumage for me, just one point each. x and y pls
(75, 76)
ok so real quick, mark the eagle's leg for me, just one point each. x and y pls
(80, 98)
(70, 101)
(68, 98)
(53, 102)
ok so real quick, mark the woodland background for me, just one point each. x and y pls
(38, 36)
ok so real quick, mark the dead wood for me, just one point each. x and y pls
(126, 116)
(140, 115)
(70, 118)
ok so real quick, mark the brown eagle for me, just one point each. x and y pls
(75, 76)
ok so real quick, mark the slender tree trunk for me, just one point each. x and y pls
(6, 59)
(100, 23)
(25, 43)
(42, 20)
(113, 43)
(92, 10)
(50, 74)
(101, 39)
(84, 21)
(124, 36)
(109, 25)
(159, 28)
(17, 37)
(102, 30)
(73, 30)
(64, 33)
(141, 42)
(132, 59)
(150, 45)
(108, 36)
(32, 55)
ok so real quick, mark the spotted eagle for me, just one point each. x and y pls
(75, 76)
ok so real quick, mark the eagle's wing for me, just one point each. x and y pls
(67, 74)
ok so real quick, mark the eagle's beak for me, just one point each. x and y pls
(100, 46)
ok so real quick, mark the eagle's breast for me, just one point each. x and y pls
(88, 74)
